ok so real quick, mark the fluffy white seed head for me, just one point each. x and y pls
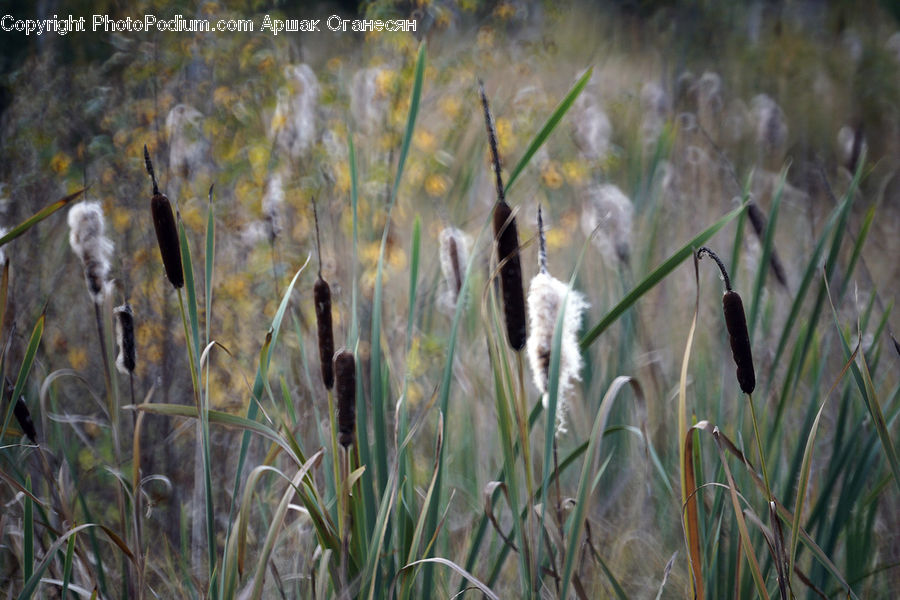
(369, 99)
(86, 229)
(273, 205)
(607, 216)
(188, 147)
(293, 126)
(454, 254)
(546, 296)
(771, 125)
(592, 129)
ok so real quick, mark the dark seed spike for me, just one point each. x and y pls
(149, 164)
(704, 250)
(542, 243)
(507, 239)
(345, 386)
(125, 330)
(492, 140)
(758, 220)
(736, 323)
(322, 297)
(454, 262)
(167, 236)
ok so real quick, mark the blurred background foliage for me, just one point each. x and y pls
(77, 110)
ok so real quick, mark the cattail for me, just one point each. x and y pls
(86, 228)
(125, 361)
(771, 125)
(188, 147)
(322, 298)
(20, 410)
(345, 380)
(546, 296)
(736, 323)
(507, 239)
(293, 127)
(454, 256)
(166, 232)
(608, 216)
(592, 130)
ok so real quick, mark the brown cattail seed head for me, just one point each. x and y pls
(507, 239)
(166, 231)
(345, 386)
(736, 323)
(322, 296)
(23, 417)
(126, 360)
(167, 236)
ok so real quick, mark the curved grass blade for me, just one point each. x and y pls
(38, 217)
(259, 386)
(742, 525)
(582, 498)
(443, 561)
(32, 582)
(277, 520)
(656, 276)
(542, 135)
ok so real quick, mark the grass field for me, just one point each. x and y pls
(231, 461)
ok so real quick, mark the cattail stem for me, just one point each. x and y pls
(762, 458)
(542, 243)
(522, 418)
(704, 250)
(335, 458)
(149, 165)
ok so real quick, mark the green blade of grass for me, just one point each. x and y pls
(803, 482)
(655, 277)
(542, 135)
(67, 566)
(24, 370)
(870, 397)
(38, 217)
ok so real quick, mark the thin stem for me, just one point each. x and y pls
(762, 459)
(336, 460)
(542, 242)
